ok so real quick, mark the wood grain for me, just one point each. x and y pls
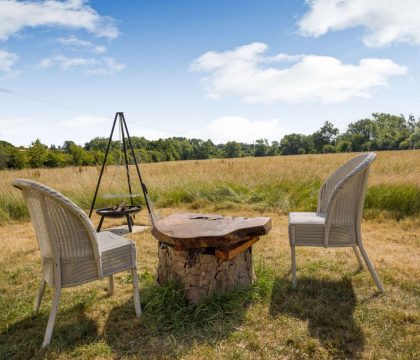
(190, 230)
(230, 252)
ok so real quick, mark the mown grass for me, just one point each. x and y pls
(334, 313)
(166, 312)
(283, 184)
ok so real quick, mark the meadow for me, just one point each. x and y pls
(334, 313)
(280, 184)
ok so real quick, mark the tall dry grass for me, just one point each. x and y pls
(283, 182)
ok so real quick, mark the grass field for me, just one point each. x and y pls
(335, 312)
(280, 184)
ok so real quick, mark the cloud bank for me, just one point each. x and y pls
(73, 14)
(94, 66)
(240, 129)
(385, 21)
(248, 73)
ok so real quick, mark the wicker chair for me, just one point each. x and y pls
(72, 252)
(338, 218)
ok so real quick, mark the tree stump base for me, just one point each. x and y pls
(207, 253)
(202, 274)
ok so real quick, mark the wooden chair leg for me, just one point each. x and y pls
(359, 259)
(136, 292)
(51, 320)
(371, 268)
(111, 285)
(293, 254)
(38, 299)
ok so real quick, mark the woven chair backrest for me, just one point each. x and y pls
(63, 230)
(343, 194)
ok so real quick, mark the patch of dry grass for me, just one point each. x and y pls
(335, 312)
(281, 183)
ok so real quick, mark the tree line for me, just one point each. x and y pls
(380, 132)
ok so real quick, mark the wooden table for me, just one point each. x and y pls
(207, 253)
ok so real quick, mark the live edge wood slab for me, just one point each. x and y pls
(207, 253)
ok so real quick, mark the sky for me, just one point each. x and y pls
(212, 69)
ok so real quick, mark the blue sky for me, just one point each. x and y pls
(224, 70)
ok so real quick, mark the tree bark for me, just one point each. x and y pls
(203, 274)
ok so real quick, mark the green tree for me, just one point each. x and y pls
(344, 146)
(415, 139)
(364, 128)
(274, 148)
(37, 154)
(390, 130)
(294, 144)
(18, 159)
(261, 147)
(358, 141)
(329, 149)
(77, 154)
(326, 135)
(57, 159)
(232, 149)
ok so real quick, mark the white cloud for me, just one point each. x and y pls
(65, 62)
(7, 61)
(75, 43)
(80, 129)
(243, 72)
(108, 66)
(386, 21)
(94, 66)
(74, 14)
(241, 129)
(85, 121)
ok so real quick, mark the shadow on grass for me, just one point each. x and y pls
(23, 339)
(170, 326)
(328, 308)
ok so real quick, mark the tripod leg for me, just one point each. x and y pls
(100, 224)
(130, 229)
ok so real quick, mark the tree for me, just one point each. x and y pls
(344, 146)
(294, 144)
(17, 158)
(364, 128)
(232, 149)
(37, 154)
(404, 145)
(390, 130)
(328, 149)
(415, 139)
(67, 145)
(274, 148)
(77, 154)
(326, 135)
(357, 141)
(261, 147)
(57, 159)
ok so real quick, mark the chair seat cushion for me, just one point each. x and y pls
(117, 253)
(306, 218)
(307, 229)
